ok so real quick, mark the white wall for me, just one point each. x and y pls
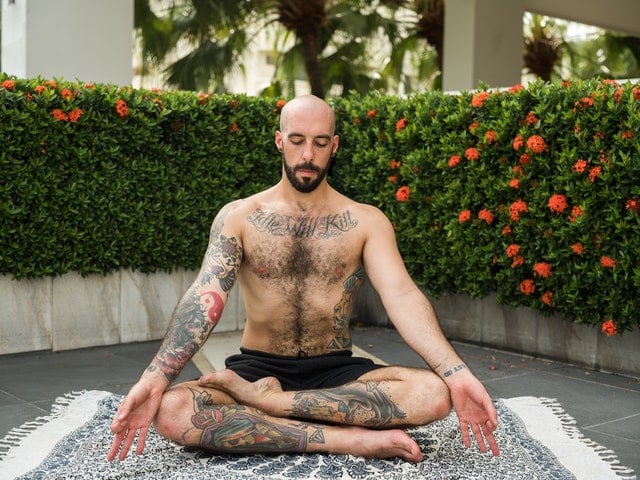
(85, 40)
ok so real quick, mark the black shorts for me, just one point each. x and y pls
(300, 373)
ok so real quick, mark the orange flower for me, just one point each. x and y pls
(594, 173)
(392, 178)
(543, 269)
(516, 208)
(473, 126)
(8, 85)
(39, 89)
(280, 104)
(607, 262)
(75, 114)
(513, 250)
(514, 183)
(454, 160)
(536, 144)
(524, 159)
(372, 113)
(517, 170)
(609, 328)
(122, 109)
(575, 213)
(472, 154)
(636, 93)
(617, 95)
(234, 127)
(517, 261)
(393, 164)
(558, 203)
(66, 93)
(486, 215)
(547, 298)
(577, 248)
(518, 142)
(59, 115)
(627, 134)
(531, 118)
(527, 286)
(403, 194)
(89, 86)
(401, 124)
(580, 166)
(516, 88)
(506, 230)
(491, 136)
(633, 205)
(478, 99)
(464, 216)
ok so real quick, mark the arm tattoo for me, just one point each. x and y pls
(327, 226)
(358, 403)
(201, 307)
(240, 429)
(457, 368)
(342, 311)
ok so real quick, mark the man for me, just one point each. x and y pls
(300, 250)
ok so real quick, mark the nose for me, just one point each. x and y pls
(307, 152)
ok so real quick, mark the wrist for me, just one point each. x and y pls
(451, 372)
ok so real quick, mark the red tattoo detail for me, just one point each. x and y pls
(213, 304)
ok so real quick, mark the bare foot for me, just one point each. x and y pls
(363, 442)
(264, 394)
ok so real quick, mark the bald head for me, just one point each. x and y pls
(305, 107)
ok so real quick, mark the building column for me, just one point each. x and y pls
(84, 40)
(483, 42)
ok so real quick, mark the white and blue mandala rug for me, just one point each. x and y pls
(538, 441)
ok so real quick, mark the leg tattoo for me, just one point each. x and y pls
(357, 403)
(240, 429)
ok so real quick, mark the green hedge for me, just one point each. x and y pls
(531, 193)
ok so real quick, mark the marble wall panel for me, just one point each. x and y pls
(86, 311)
(562, 339)
(620, 353)
(461, 316)
(147, 302)
(25, 314)
(507, 327)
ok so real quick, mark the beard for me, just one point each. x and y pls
(305, 185)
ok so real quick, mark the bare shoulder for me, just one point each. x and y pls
(371, 218)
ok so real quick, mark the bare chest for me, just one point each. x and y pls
(295, 249)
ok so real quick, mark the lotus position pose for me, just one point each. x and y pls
(300, 251)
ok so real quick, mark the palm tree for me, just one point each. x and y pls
(331, 40)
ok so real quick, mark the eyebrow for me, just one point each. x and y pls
(297, 134)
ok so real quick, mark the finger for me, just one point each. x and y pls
(115, 446)
(477, 433)
(128, 441)
(464, 429)
(493, 445)
(142, 440)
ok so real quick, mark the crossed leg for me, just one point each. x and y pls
(225, 413)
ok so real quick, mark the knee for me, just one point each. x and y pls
(437, 397)
(173, 406)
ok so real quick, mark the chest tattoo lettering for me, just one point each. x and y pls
(327, 226)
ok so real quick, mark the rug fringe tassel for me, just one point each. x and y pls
(18, 434)
(569, 427)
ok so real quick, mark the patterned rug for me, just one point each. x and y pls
(538, 441)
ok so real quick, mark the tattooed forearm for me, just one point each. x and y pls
(356, 403)
(201, 307)
(303, 226)
(342, 311)
(457, 368)
(240, 429)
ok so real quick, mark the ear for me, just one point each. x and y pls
(278, 140)
(336, 144)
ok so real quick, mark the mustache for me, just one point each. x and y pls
(307, 166)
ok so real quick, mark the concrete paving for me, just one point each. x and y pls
(606, 406)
